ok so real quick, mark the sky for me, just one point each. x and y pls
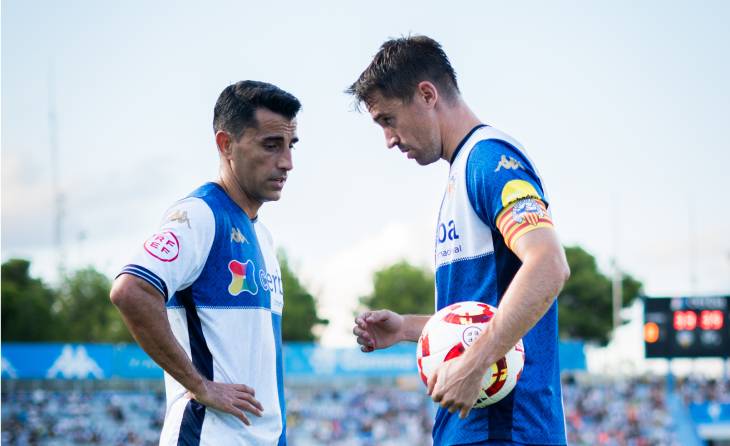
(623, 107)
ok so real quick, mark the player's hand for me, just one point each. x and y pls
(230, 398)
(378, 329)
(455, 385)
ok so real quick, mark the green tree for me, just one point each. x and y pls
(300, 309)
(85, 311)
(585, 307)
(26, 305)
(403, 288)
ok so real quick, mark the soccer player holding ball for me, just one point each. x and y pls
(495, 244)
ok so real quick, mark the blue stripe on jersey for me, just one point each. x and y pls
(192, 424)
(276, 322)
(192, 421)
(146, 275)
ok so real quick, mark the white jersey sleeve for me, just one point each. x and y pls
(172, 258)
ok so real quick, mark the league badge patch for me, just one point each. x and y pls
(515, 190)
(243, 278)
(163, 246)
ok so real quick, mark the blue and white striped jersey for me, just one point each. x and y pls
(489, 172)
(218, 272)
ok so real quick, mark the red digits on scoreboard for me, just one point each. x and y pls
(685, 320)
(708, 320)
(711, 320)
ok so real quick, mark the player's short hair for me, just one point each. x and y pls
(400, 65)
(234, 110)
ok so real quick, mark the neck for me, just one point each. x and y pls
(236, 193)
(458, 120)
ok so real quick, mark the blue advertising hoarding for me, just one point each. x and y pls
(301, 360)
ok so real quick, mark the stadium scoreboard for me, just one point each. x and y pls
(687, 327)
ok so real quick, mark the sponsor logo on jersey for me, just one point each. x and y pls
(447, 231)
(163, 246)
(527, 210)
(74, 363)
(243, 278)
(237, 236)
(508, 163)
(179, 217)
(271, 282)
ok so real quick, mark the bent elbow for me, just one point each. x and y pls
(117, 296)
(121, 295)
(561, 272)
(565, 273)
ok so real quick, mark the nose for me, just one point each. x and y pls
(285, 160)
(391, 139)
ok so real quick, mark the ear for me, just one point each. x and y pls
(427, 92)
(223, 141)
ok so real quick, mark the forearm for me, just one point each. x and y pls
(146, 317)
(413, 326)
(527, 299)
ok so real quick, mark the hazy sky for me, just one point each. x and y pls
(620, 104)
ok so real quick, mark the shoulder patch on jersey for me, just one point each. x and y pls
(163, 246)
(528, 210)
(243, 278)
(522, 217)
(515, 190)
(508, 163)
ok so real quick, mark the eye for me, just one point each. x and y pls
(388, 121)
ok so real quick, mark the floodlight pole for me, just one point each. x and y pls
(55, 174)
(616, 288)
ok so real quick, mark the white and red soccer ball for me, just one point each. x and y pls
(452, 330)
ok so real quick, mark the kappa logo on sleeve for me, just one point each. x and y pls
(163, 246)
(179, 217)
(508, 163)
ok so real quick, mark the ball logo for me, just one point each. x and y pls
(470, 335)
(163, 246)
(243, 278)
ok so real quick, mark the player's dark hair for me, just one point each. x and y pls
(234, 110)
(400, 65)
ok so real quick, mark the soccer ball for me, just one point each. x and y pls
(452, 330)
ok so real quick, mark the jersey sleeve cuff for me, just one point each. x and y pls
(148, 276)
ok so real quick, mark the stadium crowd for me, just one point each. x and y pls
(61, 418)
(359, 415)
(626, 412)
(598, 411)
(704, 390)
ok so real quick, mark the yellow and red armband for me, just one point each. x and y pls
(521, 217)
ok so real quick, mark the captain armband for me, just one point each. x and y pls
(521, 217)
